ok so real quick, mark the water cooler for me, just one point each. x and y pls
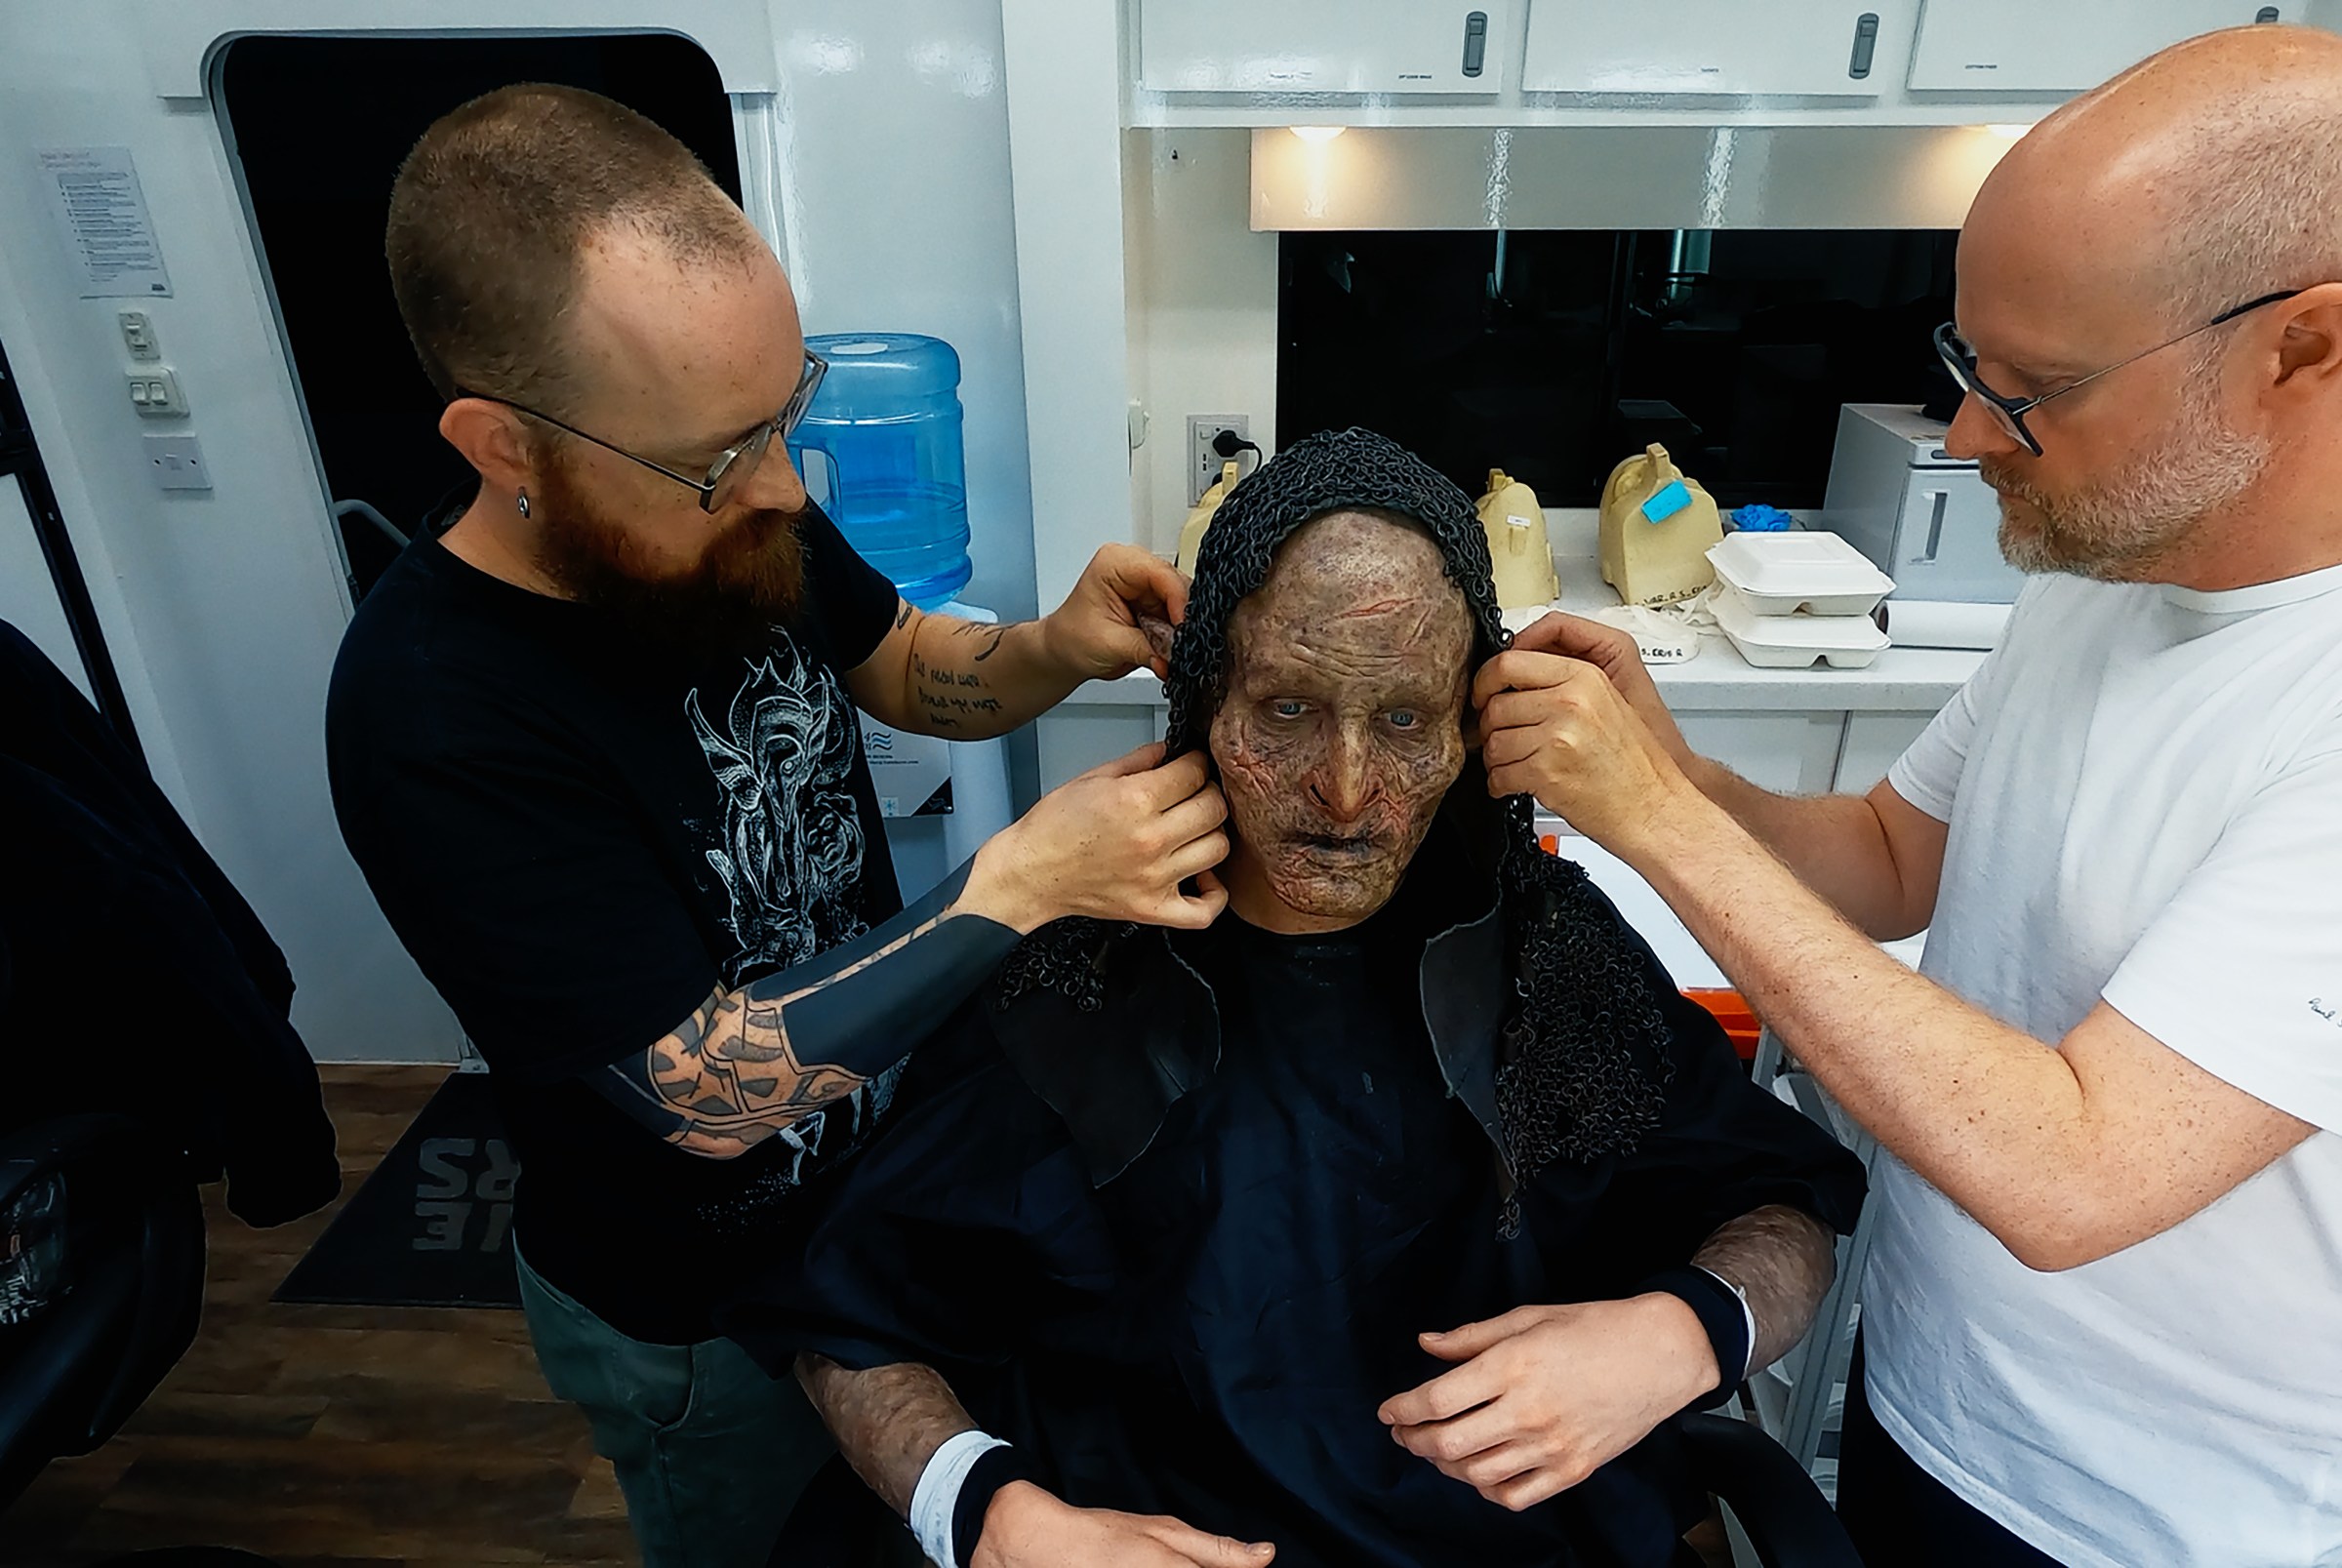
(880, 450)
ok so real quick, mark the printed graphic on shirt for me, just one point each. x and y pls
(791, 848)
(813, 1143)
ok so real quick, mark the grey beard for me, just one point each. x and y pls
(2117, 529)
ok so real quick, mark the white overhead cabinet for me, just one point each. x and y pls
(1716, 48)
(2060, 46)
(1379, 46)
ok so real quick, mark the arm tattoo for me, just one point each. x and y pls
(901, 614)
(888, 1421)
(726, 1078)
(1784, 1259)
(952, 699)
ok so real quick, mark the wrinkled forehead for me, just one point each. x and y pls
(1360, 595)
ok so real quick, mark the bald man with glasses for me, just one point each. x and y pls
(593, 740)
(2102, 1319)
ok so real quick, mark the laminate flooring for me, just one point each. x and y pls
(337, 1436)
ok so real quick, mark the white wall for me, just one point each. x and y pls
(901, 220)
(1203, 309)
(224, 610)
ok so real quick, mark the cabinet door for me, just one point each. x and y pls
(1716, 48)
(1076, 736)
(1325, 46)
(1794, 753)
(1873, 743)
(2003, 46)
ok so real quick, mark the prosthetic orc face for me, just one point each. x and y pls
(1343, 724)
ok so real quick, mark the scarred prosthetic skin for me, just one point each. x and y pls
(1343, 723)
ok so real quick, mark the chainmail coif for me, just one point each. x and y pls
(1583, 1061)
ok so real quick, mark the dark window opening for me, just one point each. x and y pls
(319, 126)
(1554, 355)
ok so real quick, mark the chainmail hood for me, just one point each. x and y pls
(1583, 1062)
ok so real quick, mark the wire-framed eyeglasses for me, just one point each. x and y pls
(1960, 358)
(733, 465)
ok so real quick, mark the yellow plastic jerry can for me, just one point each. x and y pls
(1657, 529)
(1191, 532)
(1517, 546)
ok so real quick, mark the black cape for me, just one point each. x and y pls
(1178, 1248)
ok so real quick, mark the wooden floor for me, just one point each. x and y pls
(337, 1436)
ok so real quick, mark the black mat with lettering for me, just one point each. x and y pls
(431, 1226)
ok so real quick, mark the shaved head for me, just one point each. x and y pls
(2206, 176)
(2219, 158)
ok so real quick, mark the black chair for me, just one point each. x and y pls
(102, 1261)
(1786, 1518)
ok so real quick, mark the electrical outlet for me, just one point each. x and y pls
(177, 463)
(1203, 463)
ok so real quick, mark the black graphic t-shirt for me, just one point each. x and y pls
(579, 834)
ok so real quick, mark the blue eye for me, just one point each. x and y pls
(1285, 708)
(1403, 719)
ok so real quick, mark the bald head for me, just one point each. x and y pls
(2097, 259)
(2205, 175)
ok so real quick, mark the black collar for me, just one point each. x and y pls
(1112, 1073)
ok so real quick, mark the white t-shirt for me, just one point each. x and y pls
(2144, 786)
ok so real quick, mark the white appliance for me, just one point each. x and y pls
(1926, 518)
(1459, 47)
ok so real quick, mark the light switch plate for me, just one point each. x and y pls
(138, 336)
(155, 392)
(177, 463)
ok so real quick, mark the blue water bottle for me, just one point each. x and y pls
(886, 423)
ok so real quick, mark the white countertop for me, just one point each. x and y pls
(1900, 680)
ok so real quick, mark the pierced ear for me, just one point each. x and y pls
(490, 438)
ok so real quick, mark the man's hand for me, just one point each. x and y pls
(1547, 1395)
(1613, 652)
(1556, 728)
(1101, 631)
(1026, 1528)
(1114, 843)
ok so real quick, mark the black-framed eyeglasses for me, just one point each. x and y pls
(1960, 358)
(733, 465)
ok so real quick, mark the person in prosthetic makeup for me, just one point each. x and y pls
(1382, 1221)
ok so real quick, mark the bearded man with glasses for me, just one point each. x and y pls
(2102, 1316)
(593, 742)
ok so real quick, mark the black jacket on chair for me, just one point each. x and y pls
(134, 980)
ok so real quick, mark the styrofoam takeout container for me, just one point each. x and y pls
(1813, 573)
(1792, 642)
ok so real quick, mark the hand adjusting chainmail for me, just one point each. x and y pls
(1584, 1065)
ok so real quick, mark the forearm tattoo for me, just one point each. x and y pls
(727, 1077)
(888, 1421)
(1783, 1260)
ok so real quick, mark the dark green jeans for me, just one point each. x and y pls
(711, 1452)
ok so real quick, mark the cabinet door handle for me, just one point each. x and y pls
(1937, 501)
(1866, 45)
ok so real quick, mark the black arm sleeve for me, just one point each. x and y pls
(862, 1020)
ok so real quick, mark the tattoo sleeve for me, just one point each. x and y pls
(748, 1063)
(1783, 1260)
(888, 1421)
